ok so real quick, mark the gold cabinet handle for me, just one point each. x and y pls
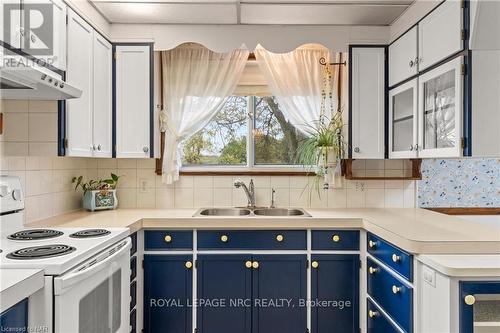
(395, 289)
(315, 264)
(255, 264)
(188, 264)
(224, 238)
(373, 270)
(168, 238)
(469, 299)
(280, 238)
(248, 264)
(373, 314)
(396, 258)
(336, 238)
(372, 244)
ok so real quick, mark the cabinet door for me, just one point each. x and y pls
(133, 101)
(79, 73)
(367, 102)
(440, 34)
(59, 39)
(229, 279)
(403, 57)
(335, 281)
(168, 289)
(479, 305)
(403, 120)
(279, 278)
(102, 107)
(15, 318)
(440, 111)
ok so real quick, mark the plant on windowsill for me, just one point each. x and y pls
(98, 194)
(321, 152)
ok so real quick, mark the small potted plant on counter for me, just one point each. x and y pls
(98, 194)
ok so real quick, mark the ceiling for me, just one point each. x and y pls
(294, 12)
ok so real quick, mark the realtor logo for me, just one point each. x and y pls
(29, 27)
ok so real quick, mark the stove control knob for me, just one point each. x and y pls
(4, 190)
(16, 194)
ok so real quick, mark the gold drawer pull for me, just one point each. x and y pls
(395, 289)
(188, 264)
(224, 238)
(255, 264)
(168, 239)
(372, 244)
(469, 300)
(280, 238)
(373, 314)
(396, 258)
(315, 264)
(373, 270)
(336, 238)
(248, 264)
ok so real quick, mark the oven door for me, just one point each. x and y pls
(94, 297)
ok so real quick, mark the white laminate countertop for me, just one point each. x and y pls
(17, 284)
(418, 231)
(464, 265)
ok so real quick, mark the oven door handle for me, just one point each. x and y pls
(88, 268)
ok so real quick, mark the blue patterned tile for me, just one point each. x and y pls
(460, 183)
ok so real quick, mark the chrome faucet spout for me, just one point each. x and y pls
(249, 191)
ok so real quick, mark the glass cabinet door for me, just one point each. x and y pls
(403, 121)
(440, 111)
(479, 307)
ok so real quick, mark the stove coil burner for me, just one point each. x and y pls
(41, 252)
(90, 233)
(35, 234)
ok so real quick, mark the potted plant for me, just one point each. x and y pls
(98, 194)
(322, 150)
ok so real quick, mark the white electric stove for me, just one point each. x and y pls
(84, 269)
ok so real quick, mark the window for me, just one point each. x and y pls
(248, 131)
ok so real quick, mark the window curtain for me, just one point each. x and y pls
(195, 84)
(297, 80)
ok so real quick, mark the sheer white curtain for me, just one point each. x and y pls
(196, 83)
(296, 80)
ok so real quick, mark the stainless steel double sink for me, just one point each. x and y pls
(258, 211)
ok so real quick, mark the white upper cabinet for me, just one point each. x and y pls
(440, 34)
(133, 101)
(80, 74)
(441, 111)
(403, 57)
(368, 102)
(59, 19)
(102, 104)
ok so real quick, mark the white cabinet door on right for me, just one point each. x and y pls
(440, 34)
(102, 103)
(79, 74)
(440, 111)
(133, 101)
(403, 57)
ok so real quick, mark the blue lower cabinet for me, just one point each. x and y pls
(15, 318)
(133, 321)
(168, 285)
(377, 322)
(279, 285)
(473, 309)
(394, 257)
(224, 293)
(335, 293)
(391, 294)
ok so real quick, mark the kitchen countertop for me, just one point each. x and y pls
(418, 231)
(17, 284)
(466, 265)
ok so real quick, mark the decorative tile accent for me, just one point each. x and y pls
(460, 183)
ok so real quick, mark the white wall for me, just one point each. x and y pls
(411, 16)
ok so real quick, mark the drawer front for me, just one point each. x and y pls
(377, 322)
(168, 240)
(347, 240)
(391, 294)
(399, 260)
(257, 240)
(133, 268)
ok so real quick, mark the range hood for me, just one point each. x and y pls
(34, 83)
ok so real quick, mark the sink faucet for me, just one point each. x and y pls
(249, 191)
(273, 199)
